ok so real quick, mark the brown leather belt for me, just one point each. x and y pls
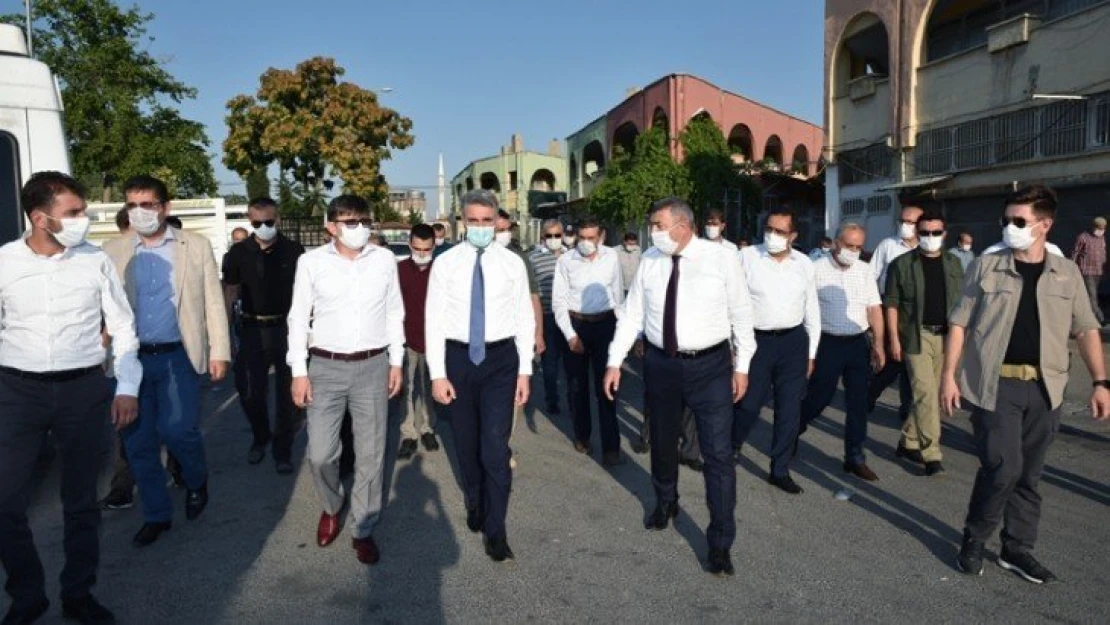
(352, 357)
(592, 317)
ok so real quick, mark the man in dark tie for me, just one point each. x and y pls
(480, 334)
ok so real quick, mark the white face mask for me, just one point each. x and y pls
(631, 247)
(421, 258)
(553, 244)
(587, 248)
(776, 243)
(504, 238)
(144, 221)
(846, 257)
(1099, 232)
(712, 232)
(440, 242)
(265, 233)
(932, 244)
(354, 238)
(1018, 238)
(568, 240)
(663, 241)
(73, 232)
(966, 247)
(908, 231)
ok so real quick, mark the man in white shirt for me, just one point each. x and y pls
(787, 322)
(587, 291)
(56, 291)
(715, 229)
(480, 334)
(850, 307)
(349, 292)
(690, 302)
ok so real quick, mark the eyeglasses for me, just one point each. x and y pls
(930, 233)
(143, 205)
(550, 235)
(781, 233)
(1020, 222)
(269, 223)
(354, 223)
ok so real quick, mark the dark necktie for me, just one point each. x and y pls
(477, 313)
(670, 310)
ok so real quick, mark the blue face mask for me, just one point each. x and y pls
(479, 236)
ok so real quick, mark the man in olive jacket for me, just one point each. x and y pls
(922, 288)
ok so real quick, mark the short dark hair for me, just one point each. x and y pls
(1041, 197)
(148, 183)
(785, 212)
(504, 214)
(825, 240)
(589, 221)
(965, 233)
(42, 188)
(438, 227)
(715, 212)
(422, 231)
(631, 236)
(348, 205)
(677, 206)
(175, 221)
(932, 213)
(262, 203)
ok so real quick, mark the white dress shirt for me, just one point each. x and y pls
(725, 243)
(713, 303)
(346, 305)
(586, 286)
(845, 294)
(888, 249)
(508, 303)
(784, 294)
(52, 308)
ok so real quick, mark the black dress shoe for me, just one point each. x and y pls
(428, 440)
(784, 483)
(150, 532)
(498, 549)
(913, 455)
(87, 610)
(612, 459)
(283, 467)
(25, 615)
(720, 563)
(475, 519)
(195, 501)
(117, 499)
(256, 453)
(933, 468)
(661, 516)
(641, 447)
(407, 449)
(694, 464)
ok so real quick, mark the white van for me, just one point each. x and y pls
(31, 134)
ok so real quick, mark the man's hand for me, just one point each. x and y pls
(523, 389)
(612, 382)
(950, 395)
(396, 381)
(810, 367)
(217, 369)
(638, 348)
(541, 345)
(878, 358)
(442, 391)
(576, 345)
(302, 391)
(125, 409)
(896, 350)
(739, 386)
(1100, 403)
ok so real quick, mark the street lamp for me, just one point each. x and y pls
(1058, 96)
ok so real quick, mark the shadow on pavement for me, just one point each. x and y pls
(1077, 484)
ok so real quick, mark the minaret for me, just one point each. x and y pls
(441, 210)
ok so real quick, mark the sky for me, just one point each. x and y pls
(470, 74)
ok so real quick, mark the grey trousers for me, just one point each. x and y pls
(361, 388)
(1091, 282)
(420, 417)
(1011, 441)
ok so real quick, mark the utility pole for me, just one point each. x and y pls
(30, 35)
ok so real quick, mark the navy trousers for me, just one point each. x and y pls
(893, 370)
(704, 385)
(847, 358)
(551, 360)
(780, 363)
(482, 419)
(581, 369)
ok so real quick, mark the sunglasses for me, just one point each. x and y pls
(269, 223)
(1020, 222)
(552, 236)
(354, 223)
(144, 205)
(930, 233)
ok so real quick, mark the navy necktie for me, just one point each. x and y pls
(478, 313)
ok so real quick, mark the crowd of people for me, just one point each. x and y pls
(715, 329)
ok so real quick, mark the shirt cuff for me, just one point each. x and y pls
(743, 363)
(299, 368)
(127, 388)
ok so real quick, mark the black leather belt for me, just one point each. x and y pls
(352, 357)
(842, 337)
(262, 321)
(51, 376)
(592, 317)
(690, 354)
(489, 346)
(152, 349)
(776, 332)
(937, 330)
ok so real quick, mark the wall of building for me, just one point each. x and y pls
(525, 164)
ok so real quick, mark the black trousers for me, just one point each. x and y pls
(482, 420)
(1011, 441)
(891, 371)
(260, 348)
(595, 337)
(704, 385)
(688, 448)
(76, 411)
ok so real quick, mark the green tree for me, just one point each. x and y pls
(120, 114)
(258, 183)
(415, 217)
(715, 180)
(287, 200)
(235, 199)
(315, 127)
(634, 180)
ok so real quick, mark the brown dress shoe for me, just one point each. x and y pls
(328, 529)
(861, 471)
(366, 550)
(582, 448)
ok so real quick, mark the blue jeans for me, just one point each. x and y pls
(169, 412)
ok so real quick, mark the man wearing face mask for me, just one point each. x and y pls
(588, 291)
(787, 333)
(850, 307)
(480, 339)
(413, 272)
(963, 250)
(56, 291)
(441, 239)
(173, 285)
(544, 259)
(1008, 357)
(350, 293)
(921, 289)
(569, 238)
(715, 229)
(1090, 254)
(822, 250)
(690, 302)
(259, 274)
(503, 234)
(629, 255)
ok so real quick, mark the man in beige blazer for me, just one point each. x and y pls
(173, 286)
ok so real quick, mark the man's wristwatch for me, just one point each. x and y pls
(1102, 383)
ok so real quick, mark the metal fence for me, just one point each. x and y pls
(308, 231)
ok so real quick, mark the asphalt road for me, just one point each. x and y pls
(884, 555)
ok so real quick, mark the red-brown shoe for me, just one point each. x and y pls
(366, 550)
(328, 529)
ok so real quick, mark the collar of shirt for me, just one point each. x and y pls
(62, 255)
(366, 249)
(167, 236)
(602, 252)
(792, 257)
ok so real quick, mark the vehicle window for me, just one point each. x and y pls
(11, 217)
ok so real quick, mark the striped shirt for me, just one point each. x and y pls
(543, 264)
